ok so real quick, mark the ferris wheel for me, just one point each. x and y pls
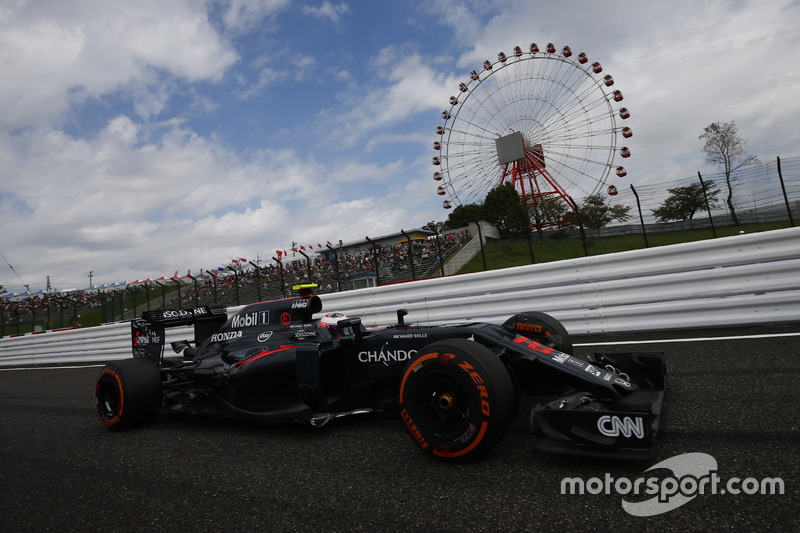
(544, 121)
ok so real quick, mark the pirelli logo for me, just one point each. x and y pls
(529, 328)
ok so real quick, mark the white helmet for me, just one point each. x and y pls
(331, 321)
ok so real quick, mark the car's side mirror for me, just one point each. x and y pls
(400, 314)
(350, 329)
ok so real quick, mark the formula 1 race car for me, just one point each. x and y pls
(455, 387)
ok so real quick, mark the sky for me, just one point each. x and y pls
(140, 139)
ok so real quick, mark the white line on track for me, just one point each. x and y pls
(50, 367)
(691, 339)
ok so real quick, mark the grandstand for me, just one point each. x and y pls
(402, 256)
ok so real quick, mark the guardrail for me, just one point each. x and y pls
(78, 346)
(744, 279)
(740, 280)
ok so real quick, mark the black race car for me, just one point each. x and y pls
(455, 387)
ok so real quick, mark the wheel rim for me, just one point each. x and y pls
(442, 405)
(108, 399)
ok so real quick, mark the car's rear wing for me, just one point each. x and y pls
(148, 333)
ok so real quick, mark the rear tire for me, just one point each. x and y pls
(128, 393)
(456, 399)
(541, 328)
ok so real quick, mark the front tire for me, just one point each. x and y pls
(128, 393)
(541, 328)
(456, 399)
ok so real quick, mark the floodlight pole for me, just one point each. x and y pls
(258, 279)
(641, 218)
(163, 294)
(335, 266)
(214, 276)
(480, 241)
(308, 264)
(375, 261)
(432, 226)
(280, 271)
(147, 292)
(580, 224)
(194, 279)
(410, 254)
(708, 207)
(785, 198)
(180, 303)
(236, 285)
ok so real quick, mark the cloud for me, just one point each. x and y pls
(241, 16)
(328, 10)
(87, 50)
(142, 138)
(147, 199)
(404, 84)
(266, 77)
(465, 19)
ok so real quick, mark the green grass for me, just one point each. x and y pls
(515, 252)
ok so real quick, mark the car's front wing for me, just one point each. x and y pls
(623, 428)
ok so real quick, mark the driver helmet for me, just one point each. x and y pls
(331, 322)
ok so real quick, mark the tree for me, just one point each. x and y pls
(724, 147)
(502, 208)
(463, 215)
(683, 202)
(550, 211)
(434, 226)
(595, 214)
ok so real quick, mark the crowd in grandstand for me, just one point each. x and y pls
(239, 284)
(39, 306)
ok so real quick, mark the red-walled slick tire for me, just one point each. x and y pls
(456, 399)
(542, 328)
(128, 393)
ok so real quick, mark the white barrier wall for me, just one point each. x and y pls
(740, 280)
(745, 279)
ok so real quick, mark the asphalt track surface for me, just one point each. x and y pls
(734, 398)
